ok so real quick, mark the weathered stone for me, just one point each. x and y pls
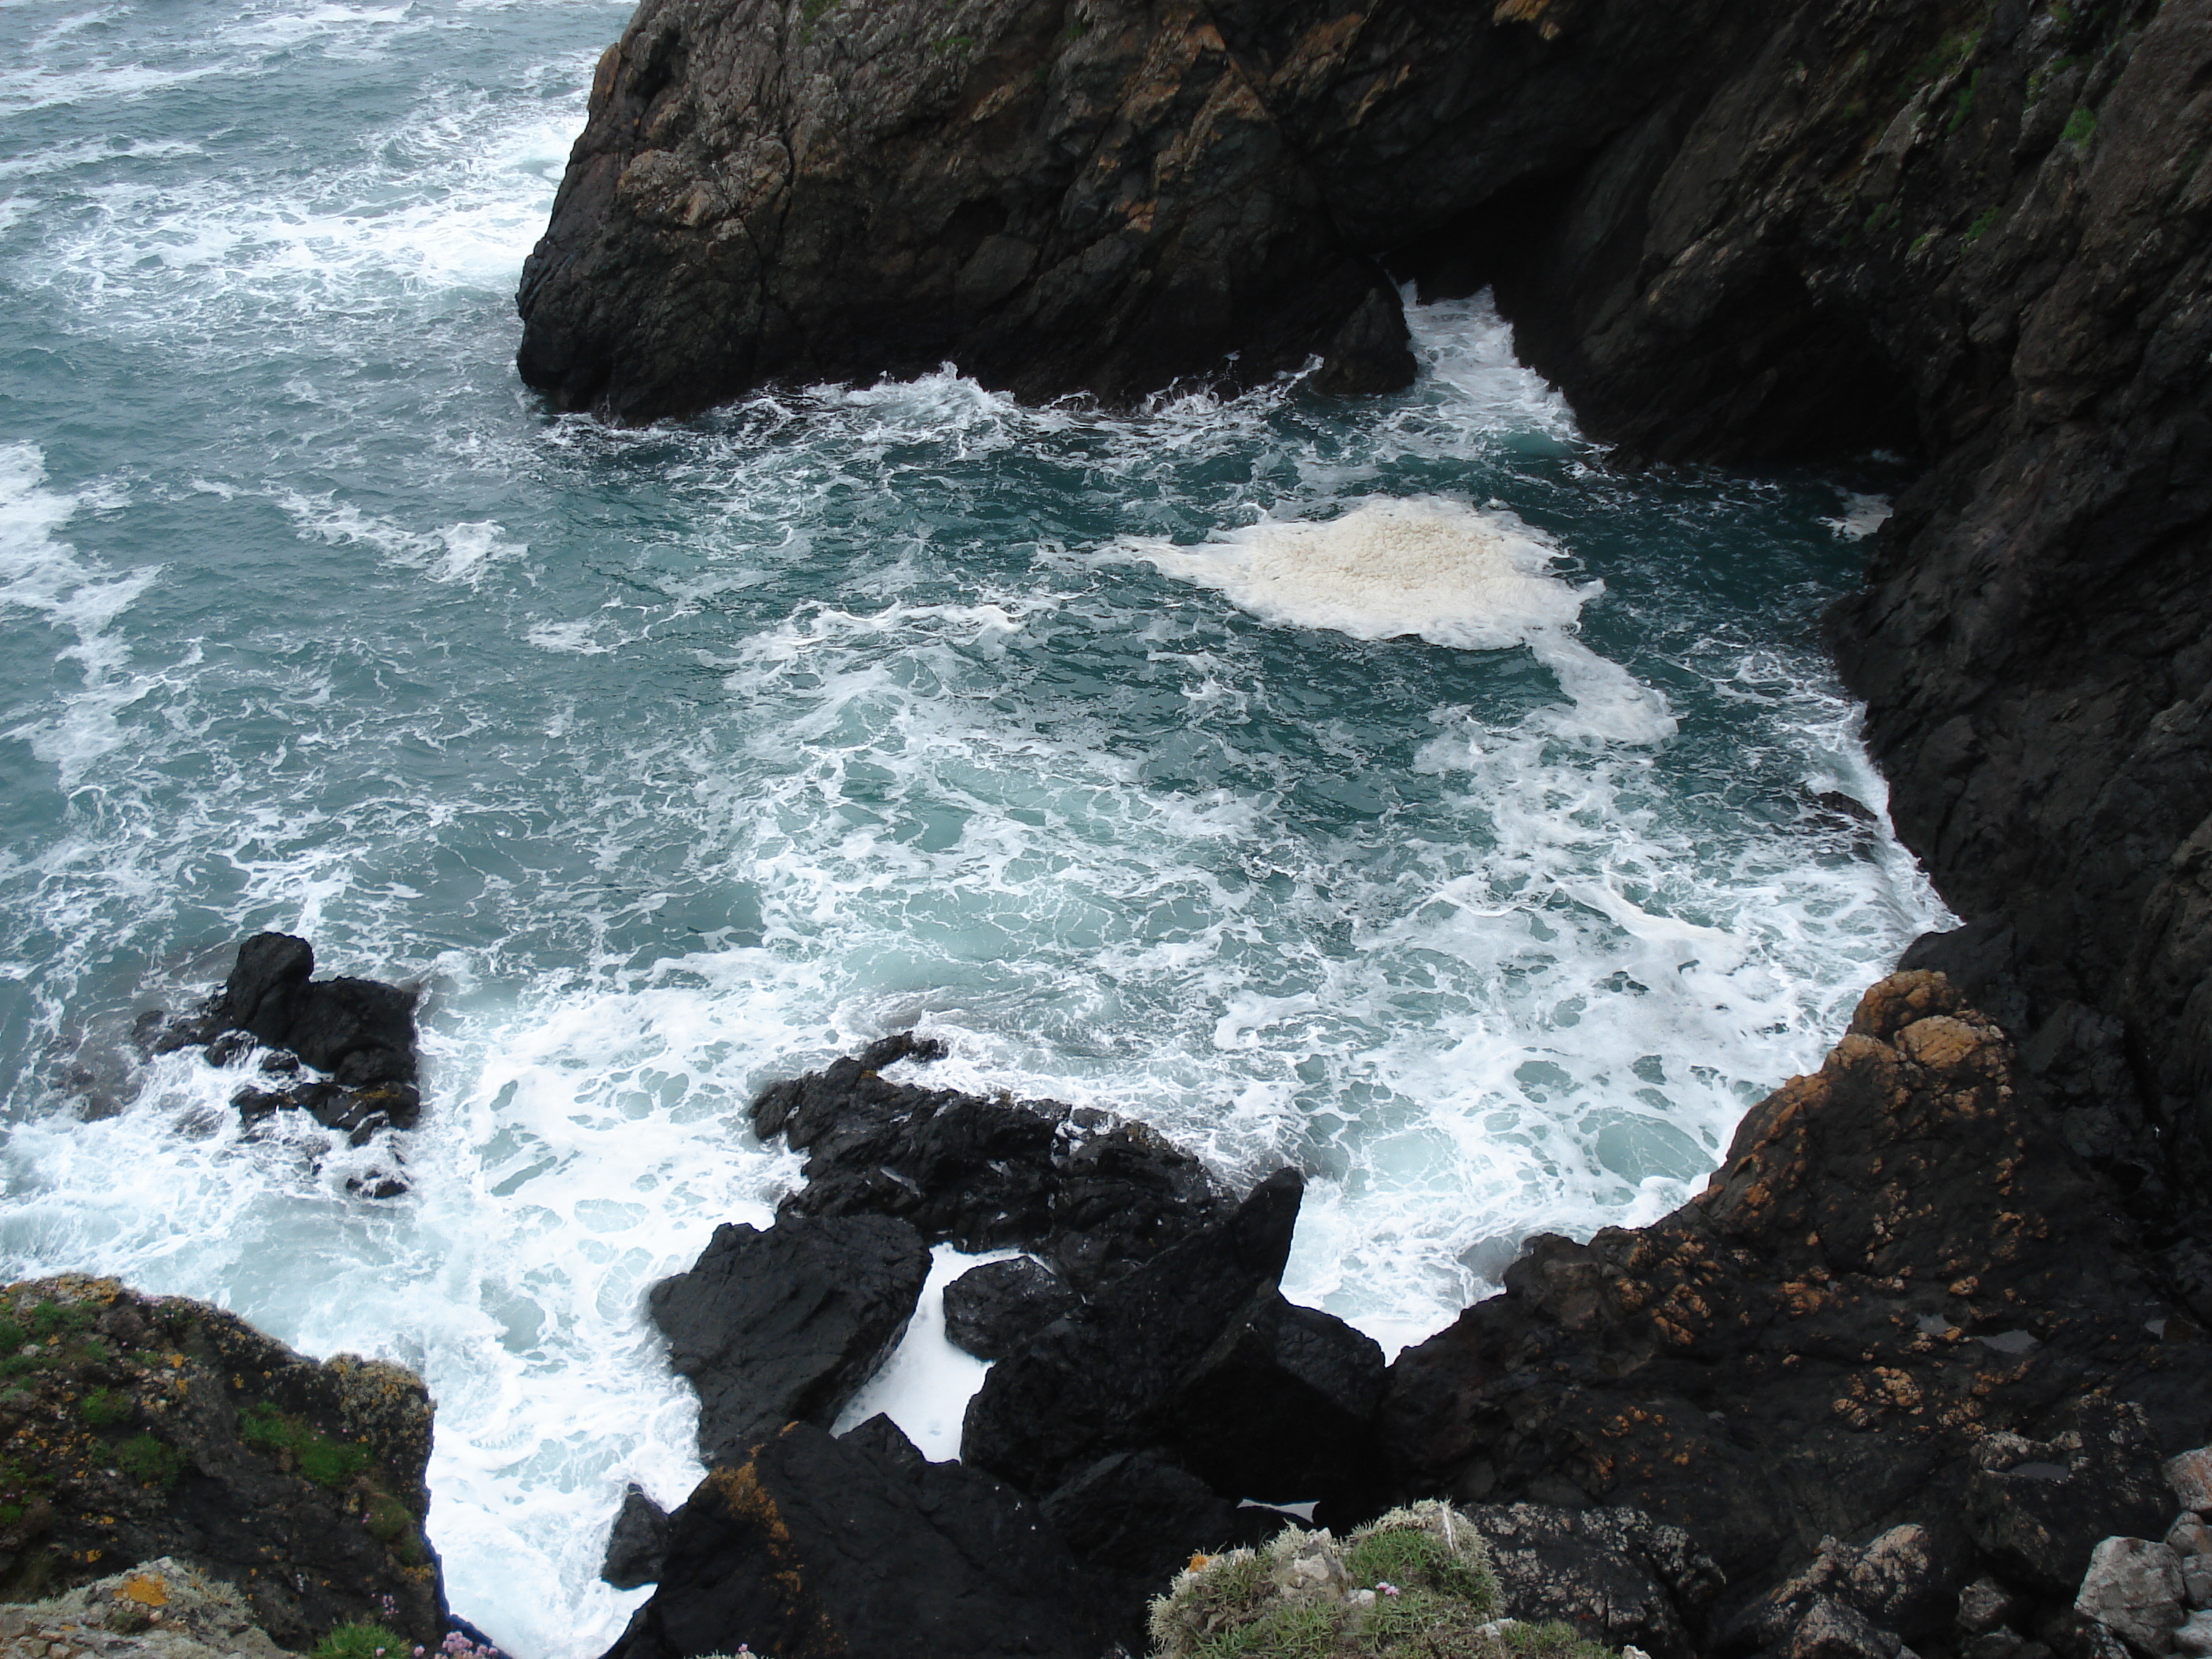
(1900, 1583)
(1819, 1344)
(2191, 1476)
(2037, 1508)
(813, 1547)
(1835, 1629)
(2133, 1587)
(1984, 1605)
(2193, 1636)
(787, 1324)
(2189, 1535)
(636, 1543)
(151, 1426)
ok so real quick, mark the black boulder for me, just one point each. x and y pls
(788, 1324)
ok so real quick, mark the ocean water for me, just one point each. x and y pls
(1386, 787)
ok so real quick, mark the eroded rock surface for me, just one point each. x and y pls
(1897, 1267)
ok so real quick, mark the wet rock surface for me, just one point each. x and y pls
(1089, 1193)
(1898, 1266)
(814, 1548)
(1196, 1355)
(783, 1324)
(136, 1427)
(343, 1050)
(992, 1309)
(637, 1543)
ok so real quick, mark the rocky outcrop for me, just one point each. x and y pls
(786, 1325)
(1195, 1354)
(134, 1427)
(161, 1610)
(814, 1548)
(1900, 1304)
(1088, 1192)
(355, 1038)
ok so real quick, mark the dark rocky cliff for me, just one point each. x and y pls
(1972, 233)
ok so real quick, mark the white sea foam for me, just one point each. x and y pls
(1437, 569)
(1862, 516)
(46, 576)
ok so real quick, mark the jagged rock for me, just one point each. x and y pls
(2189, 1535)
(1902, 1583)
(1836, 1630)
(359, 1033)
(788, 1324)
(2193, 1636)
(637, 1542)
(1088, 1192)
(1195, 1353)
(2038, 1508)
(1896, 1261)
(2133, 1587)
(992, 1309)
(814, 1547)
(1616, 1575)
(142, 1427)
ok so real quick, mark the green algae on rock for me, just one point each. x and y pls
(134, 1427)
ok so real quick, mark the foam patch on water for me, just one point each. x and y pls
(1862, 516)
(45, 576)
(1435, 569)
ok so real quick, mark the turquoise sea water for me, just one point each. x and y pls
(675, 760)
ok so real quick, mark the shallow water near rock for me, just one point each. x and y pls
(673, 761)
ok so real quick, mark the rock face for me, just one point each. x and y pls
(137, 1427)
(821, 1548)
(1060, 197)
(786, 1325)
(1616, 1575)
(1876, 1317)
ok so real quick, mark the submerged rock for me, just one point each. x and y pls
(139, 1427)
(814, 1548)
(787, 1324)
